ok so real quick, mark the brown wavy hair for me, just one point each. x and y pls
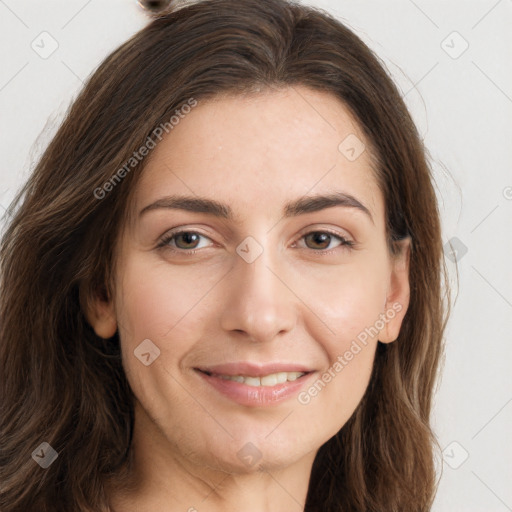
(62, 384)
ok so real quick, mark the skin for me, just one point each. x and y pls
(290, 304)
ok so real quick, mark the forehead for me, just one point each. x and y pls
(261, 151)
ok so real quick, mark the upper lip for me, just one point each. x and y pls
(254, 369)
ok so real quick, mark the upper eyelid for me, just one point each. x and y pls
(332, 231)
(302, 234)
(317, 226)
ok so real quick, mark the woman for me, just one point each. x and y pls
(221, 286)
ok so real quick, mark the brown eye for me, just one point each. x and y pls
(320, 240)
(188, 238)
(182, 240)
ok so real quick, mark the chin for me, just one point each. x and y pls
(258, 452)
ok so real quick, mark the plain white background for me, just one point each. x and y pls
(452, 62)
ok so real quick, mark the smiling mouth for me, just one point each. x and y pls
(257, 385)
(270, 380)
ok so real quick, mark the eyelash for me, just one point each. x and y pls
(345, 243)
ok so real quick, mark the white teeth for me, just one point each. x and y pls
(269, 380)
(281, 377)
(252, 381)
(266, 380)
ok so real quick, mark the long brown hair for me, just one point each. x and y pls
(62, 384)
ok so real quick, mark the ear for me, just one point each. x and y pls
(397, 299)
(100, 313)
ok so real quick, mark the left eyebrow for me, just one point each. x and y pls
(301, 206)
(316, 203)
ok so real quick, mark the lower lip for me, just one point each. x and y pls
(256, 396)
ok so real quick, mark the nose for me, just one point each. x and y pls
(259, 304)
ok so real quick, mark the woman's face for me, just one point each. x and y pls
(267, 282)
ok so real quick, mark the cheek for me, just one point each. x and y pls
(169, 308)
(347, 299)
(152, 304)
(155, 303)
(349, 303)
(350, 352)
